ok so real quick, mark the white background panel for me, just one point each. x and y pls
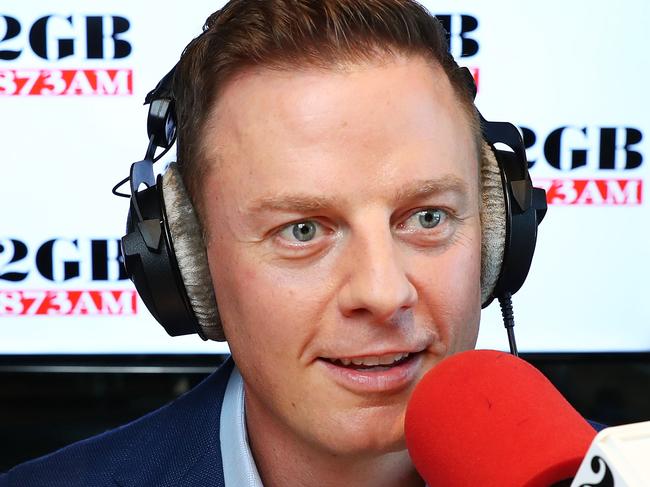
(542, 65)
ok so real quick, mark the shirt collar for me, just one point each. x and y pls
(238, 464)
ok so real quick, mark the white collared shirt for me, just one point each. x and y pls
(239, 468)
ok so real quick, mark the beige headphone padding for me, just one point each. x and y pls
(191, 254)
(493, 221)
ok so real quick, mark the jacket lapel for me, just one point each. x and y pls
(179, 444)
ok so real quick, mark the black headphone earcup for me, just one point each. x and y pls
(512, 210)
(493, 223)
(189, 251)
(151, 265)
(522, 219)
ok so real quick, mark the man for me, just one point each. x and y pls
(332, 153)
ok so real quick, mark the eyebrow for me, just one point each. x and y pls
(306, 203)
(295, 202)
(422, 189)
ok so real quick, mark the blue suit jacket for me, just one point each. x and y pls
(177, 445)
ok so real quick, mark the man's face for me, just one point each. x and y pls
(343, 227)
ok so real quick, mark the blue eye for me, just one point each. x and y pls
(429, 218)
(303, 231)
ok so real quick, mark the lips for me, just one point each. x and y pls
(378, 373)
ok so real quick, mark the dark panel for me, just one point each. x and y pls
(49, 402)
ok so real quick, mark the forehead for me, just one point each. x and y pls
(375, 124)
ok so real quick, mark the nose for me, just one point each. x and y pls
(377, 283)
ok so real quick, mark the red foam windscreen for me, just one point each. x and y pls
(487, 418)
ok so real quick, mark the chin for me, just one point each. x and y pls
(376, 431)
(369, 446)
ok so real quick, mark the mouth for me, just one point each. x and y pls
(373, 363)
(383, 373)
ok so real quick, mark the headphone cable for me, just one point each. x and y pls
(505, 301)
(126, 179)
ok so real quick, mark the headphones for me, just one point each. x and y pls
(165, 257)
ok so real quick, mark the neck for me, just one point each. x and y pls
(283, 459)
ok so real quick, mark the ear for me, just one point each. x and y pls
(493, 221)
(190, 252)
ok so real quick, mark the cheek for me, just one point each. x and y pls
(261, 308)
(242, 295)
(449, 290)
(465, 293)
(465, 267)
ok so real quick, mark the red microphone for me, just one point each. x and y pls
(488, 418)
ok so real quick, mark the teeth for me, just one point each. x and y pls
(387, 359)
(371, 361)
(366, 361)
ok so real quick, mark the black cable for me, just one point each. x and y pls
(505, 301)
(116, 192)
(165, 151)
(126, 179)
